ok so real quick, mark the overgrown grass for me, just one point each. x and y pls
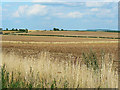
(91, 60)
(44, 72)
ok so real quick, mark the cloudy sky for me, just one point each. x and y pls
(38, 15)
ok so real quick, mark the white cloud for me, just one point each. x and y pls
(74, 3)
(105, 13)
(75, 14)
(101, 13)
(30, 10)
(94, 4)
(20, 11)
(37, 9)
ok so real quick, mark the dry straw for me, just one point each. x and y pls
(48, 73)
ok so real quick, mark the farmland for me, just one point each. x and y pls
(75, 33)
(60, 62)
(51, 39)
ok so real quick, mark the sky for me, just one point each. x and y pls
(59, 0)
(37, 15)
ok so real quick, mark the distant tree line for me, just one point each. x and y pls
(112, 31)
(57, 29)
(20, 30)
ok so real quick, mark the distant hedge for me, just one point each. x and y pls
(20, 30)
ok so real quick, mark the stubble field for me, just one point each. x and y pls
(59, 62)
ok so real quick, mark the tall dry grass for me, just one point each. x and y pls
(44, 72)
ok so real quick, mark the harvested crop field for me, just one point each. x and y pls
(57, 62)
(31, 45)
(50, 39)
(62, 49)
(74, 33)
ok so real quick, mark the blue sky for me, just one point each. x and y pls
(59, 0)
(62, 15)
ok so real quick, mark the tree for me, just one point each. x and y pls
(16, 29)
(23, 30)
(62, 30)
(55, 29)
(26, 30)
(13, 29)
(6, 29)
